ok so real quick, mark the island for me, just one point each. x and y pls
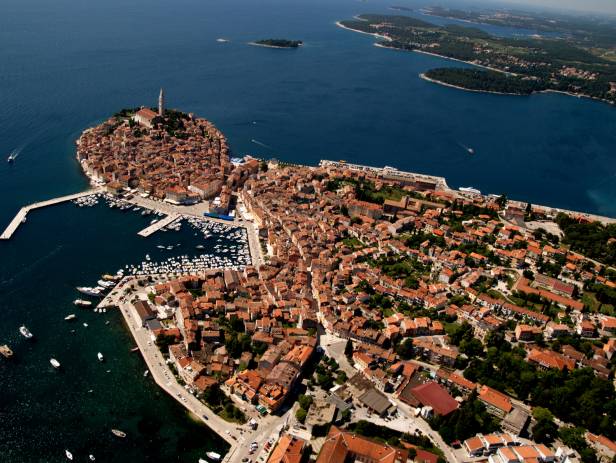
(278, 43)
(512, 65)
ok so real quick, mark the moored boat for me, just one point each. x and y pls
(82, 302)
(96, 292)
(213, 455)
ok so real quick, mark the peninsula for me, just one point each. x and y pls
(519, 66)
(382, 310)
(278, 43)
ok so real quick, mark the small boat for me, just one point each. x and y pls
(108, 277)
(69, 455)
(470, 150)
(213, 455)
(25, 332)
(91, 457)
(203, 460)
(221, 40)
(6, 351)
(134, 349)
(100, 357)
(85, 325)
(70, 317)
(146, 373)
(89, 291)
(117, 432)
(54, 363)
(82, 302)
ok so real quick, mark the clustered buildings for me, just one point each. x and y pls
(167, 155)
(378, 260)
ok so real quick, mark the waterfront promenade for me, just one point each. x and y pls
(23, 212)
(237, 436)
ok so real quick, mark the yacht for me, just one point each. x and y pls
(89, 291)
(25, 332)
(70, 317)
(213, 455)
(69, 455)
(469, 189)
(54, 363)
(82, 302)
(100, 357)
(117, 432)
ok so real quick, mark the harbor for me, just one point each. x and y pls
(21, 216)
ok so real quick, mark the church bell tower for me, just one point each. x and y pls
(161, 103)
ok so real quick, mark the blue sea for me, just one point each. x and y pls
(68, 64)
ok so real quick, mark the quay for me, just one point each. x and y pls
(159, 224)
(23, 212)
(237, 436)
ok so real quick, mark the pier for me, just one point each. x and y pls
(159, 224)
(23, 212)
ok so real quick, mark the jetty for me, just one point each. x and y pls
(23, 212)
(159, 224)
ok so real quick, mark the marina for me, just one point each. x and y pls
(23, 212)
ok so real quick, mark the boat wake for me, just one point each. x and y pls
(468, 149)
(257, 142)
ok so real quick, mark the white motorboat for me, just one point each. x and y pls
(213, 455)
(469, 189)
(54, 363)
(82, 302)
(70, 317)
(25, 332)
(91, 457)
(117, 432)
(85, 325)
(146, 373)
(100, 357)
(69, 455)
(96, 292)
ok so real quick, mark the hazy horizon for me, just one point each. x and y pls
(593, 6)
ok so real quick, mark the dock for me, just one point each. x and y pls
(159, 224)
(23, 212)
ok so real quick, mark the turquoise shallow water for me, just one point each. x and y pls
(66, 65)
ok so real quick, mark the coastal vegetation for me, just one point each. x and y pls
(577, 397)
(594, 240)
(279, 43)
(527, 64)
(484, 80)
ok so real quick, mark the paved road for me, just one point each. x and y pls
(238, 436)
(406, 422)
